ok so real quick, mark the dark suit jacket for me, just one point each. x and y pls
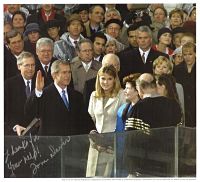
(47, 78)
(10, 64)
(15, 98)
(30, 47)
(57, 120)
(188, 81)
(101, 58)
(88, 89)
(131, 62)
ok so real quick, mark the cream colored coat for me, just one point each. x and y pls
(101, 163)
(105, 117)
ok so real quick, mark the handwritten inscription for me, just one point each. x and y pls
(30, 153)
(54, 150)
(37, 166)
(16, 149)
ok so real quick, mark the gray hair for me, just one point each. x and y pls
(113, 10)
(55, 67)
(24, 55)
(84, 41)
(145, 29)
(44, 41)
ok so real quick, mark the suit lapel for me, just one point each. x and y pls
(110, 102)
(59, 98)
(149, 57)
(139, 56)
(23, 86)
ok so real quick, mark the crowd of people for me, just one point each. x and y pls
(146, 38)
(99, 68)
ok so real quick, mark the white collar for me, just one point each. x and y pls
(72, 40)
(86, 65)
(150, 95)
(97, 58)
(59, 88)
(146, 52)
(43, 65)
(25, 81)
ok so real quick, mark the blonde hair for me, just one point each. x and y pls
(110, 70)
(160, 60)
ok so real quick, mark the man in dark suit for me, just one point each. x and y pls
(99, 41)
(16, 94)
(15, 44)
(44, 51)
(60, 108)
(139, 60)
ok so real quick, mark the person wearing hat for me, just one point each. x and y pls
(32, 32)
(177, 56)
(46, 13)
(83, 11)
(113, 29)
(164, 41)
(53, 29)
(113, 13)
(65, 48)
(192, 14)
(177, 33)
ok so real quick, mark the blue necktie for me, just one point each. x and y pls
(65, 99)
(28, 90)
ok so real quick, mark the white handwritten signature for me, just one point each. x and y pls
(30, 153)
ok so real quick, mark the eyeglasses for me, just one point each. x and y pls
(114, 28)
(29, 66)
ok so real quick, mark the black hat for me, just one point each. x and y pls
(114, 21)
(82, 7)
(32, 27)
(178, 30)
(52, 23)
(162, 31)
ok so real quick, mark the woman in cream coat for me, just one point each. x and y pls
(103, 106)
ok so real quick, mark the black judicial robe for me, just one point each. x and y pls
(157, 112)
